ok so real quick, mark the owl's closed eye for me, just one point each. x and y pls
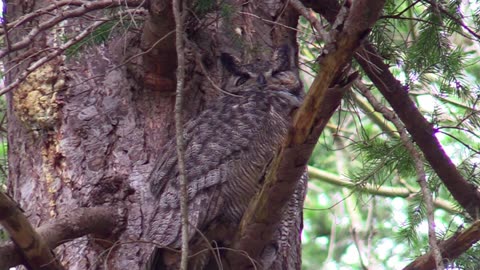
(276, 74)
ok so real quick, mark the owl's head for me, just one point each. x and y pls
(276, 74)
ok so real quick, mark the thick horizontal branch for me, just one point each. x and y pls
(36, 252)
(451, 249)
(265, 211)
(78, 223)
(334, 179)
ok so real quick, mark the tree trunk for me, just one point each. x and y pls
(85, 130)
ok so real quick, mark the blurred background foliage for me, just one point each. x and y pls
(364, 208)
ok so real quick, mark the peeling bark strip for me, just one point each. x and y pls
(36, 252)
(97, 220)
(320, 103)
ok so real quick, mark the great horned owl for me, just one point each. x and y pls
(228, 148)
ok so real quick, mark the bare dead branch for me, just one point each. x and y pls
(67, 227)
(179, 14)
(39, 12)
(56, 52)
(36, 252)
(307, 14)
(87, 6)
(265, 210)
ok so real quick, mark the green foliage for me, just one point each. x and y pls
(469, 260)
(407, 232)
(381, 158)
(204, 6)
(98, 36)
(432, 52)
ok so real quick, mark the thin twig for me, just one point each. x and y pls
(300, 8)
(20, 78)
(439, 9)
(419, 168)
(39, 12)
(77, 12)
(198, 61)
(179, 44)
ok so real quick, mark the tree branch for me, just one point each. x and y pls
(317, 174)
(422, 132)
(85, 7)
(265, 210)
(33, 248)
(57, 51)
(83, 221)
(179, 14)
(419, 169)
(450, 249)
(454, 18)
(39, 12)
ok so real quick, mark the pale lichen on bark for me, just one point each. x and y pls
(35, 99)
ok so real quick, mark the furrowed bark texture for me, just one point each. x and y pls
(84, 131)
(81, 134)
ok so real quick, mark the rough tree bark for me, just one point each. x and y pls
(85, 130)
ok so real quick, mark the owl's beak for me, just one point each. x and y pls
(261, 80)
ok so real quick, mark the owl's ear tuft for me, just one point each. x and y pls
(230, 63)
(281, 58)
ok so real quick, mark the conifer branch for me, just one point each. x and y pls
(451, 248)
(422, 132)
(333, 179)
(419, 168)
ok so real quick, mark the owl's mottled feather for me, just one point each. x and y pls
(228, 148)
